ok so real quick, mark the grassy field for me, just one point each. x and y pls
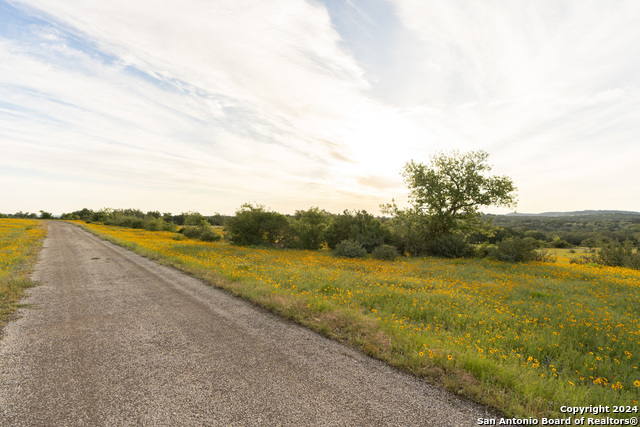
(20, 240)
(524, 339)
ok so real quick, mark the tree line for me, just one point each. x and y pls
(588, 230)
(443, 219)
(28, 215)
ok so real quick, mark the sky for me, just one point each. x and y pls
(194, 105)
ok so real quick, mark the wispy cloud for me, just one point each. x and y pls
(206, 105)
(549, 88)
(181, 96)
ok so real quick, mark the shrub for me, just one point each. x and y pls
(414, 241)
(633, 261)
(350, 249)
(616, 254)
(137, 223)
(516, 249)
(543, 255)
(120, 220)
(195, 219)
(591, 243)
(385, 252)
(309, 228)
(153, 224)
(360, 226)
(254, 225)
(449, 245)
(484, 250)
(210, 235)
(192, 232)
(169, 226)
(557, 242)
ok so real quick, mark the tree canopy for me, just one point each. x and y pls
(447, 193)
(453, 187)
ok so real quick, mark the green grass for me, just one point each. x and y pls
(524, 338)
(20, 241)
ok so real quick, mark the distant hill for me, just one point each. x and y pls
(572, 227)
(576, 213)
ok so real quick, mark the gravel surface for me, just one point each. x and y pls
(112, 338)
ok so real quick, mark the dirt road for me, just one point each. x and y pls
(111, 338)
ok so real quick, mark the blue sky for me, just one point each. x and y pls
(189, 105)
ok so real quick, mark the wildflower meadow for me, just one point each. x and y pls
(523, 338)
(20, 240)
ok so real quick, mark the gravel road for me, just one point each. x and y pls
(111, 338)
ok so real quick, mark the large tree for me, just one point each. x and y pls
(447, 193)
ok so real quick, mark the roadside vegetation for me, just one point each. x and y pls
(521, 313)
(516, 318)
(524, 338)
(20, 241)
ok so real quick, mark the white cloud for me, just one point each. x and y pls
(239, 97)
(213, 104)
(548, 88)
